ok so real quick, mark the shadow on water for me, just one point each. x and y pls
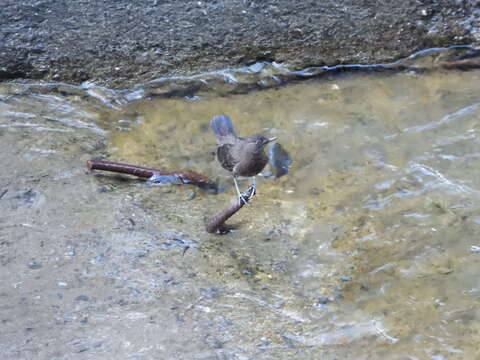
(366, 249)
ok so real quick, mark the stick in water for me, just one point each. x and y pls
(216, 224)
(155, 175)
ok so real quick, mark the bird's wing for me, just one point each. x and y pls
(225, 157)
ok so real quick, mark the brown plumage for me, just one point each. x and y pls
(240, 156)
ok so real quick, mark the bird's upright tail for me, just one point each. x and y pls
(222, 126)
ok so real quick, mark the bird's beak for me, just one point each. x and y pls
(271, 139)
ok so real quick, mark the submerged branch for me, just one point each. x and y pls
(155, 175)
(463, 64)
(216, 224)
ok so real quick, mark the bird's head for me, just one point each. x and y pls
(259, 141)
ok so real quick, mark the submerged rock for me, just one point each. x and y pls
(34, 265)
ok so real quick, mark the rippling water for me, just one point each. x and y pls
(367, 249)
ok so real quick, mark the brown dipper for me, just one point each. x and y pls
(240, 156)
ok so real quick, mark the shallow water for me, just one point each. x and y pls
(366, 249)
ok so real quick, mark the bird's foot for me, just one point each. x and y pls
(243, 201)
(247, 195)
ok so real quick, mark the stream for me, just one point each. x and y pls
(366, 249)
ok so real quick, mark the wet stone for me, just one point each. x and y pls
(106, 188)
(324, 300)
(289, 342)
(86, 347)
(27, 197)
(34, 265)
(264, 342)
(210, 292)
(190, 195)
(247, 272)
(364, 287)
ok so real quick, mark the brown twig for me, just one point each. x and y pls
(216, 224)
(463, 64)
(155, 175)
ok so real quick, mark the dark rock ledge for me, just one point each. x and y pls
(122, 42)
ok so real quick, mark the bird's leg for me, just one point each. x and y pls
(254, 185)
(240, 196)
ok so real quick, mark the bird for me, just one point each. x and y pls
(241, 156)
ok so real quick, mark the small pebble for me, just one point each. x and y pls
(100, 259)
(106, 188)
(247, 272)
(34, 265)
(217, 345)
(190, 195)
(324, 300)
(264, 341)
(475, 248)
